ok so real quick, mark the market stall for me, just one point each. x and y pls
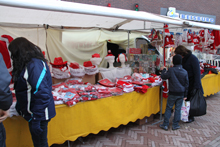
(90, 116)
(87, 117)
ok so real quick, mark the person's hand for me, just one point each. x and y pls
(35, 125)
(3, 115)
(184, 98)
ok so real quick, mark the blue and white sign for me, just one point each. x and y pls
(172, 12)
(197, 18)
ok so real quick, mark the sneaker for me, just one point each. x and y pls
(164, 127)
(175, 128)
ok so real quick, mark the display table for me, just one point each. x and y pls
(87, 117)
(210, 84)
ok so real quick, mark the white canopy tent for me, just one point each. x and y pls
(16, 14)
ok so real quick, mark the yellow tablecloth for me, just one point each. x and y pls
(87, 117)
(210, 84)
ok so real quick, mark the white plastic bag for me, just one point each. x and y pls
(185, 111)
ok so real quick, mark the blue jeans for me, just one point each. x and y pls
(177, 100)
(41, 139)
(2, 135)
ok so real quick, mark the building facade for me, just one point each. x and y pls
(207, 7)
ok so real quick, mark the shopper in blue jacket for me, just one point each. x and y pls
(191, 64)
(5, 98)
(178, 89)
(33, 88)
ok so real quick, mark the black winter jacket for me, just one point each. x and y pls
(178, 80)
(5, 79)
(191, 64)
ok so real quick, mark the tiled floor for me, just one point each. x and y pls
(204, 131)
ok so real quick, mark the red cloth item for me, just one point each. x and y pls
(154, 75)
(4, 42)
(122, 84)
(58, 61)
(74, 65)
(141, 89)
(72, 90)
(190, 39)
(196, 39)
(202, 36)
(166, 30)
(116, 91)
(88, 64)
(137, 82)
(71, 96)
(157, 63)
(96, 55)
(165, 89)
(71, 102)
(59, 85)
(73, 82)
(171, 40)
(104, 91)
(126, 59)
(106, 82)
(206, 65)
(216, 34)
(153, 33)
(154, 36)
(151, 79)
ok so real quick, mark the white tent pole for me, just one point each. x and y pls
(71, 7)
(61, 6)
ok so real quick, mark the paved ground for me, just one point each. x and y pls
(203, 132)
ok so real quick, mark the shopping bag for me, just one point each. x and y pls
(197, 103)
(185, 111)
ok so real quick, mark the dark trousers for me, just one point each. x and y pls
(41, 139)
(2, 136)
(178, 101)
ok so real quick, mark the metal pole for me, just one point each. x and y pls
(164, 55)
(128, 39)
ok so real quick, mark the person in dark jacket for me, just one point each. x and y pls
(178, 89)
(5, 98)
(33, 88)
(191, 64)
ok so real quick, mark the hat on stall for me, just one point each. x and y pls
(109, 56)
(58, 61)
(90, 69)
(96, 55)
(120, 55)
(88, 64)
(96, 59)
(166, 30)
(76, 70)
(74, 65)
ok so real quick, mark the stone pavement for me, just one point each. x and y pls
(203, 132)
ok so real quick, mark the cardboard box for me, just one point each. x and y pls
(54, 80)
(145, 120)
(89, 78)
